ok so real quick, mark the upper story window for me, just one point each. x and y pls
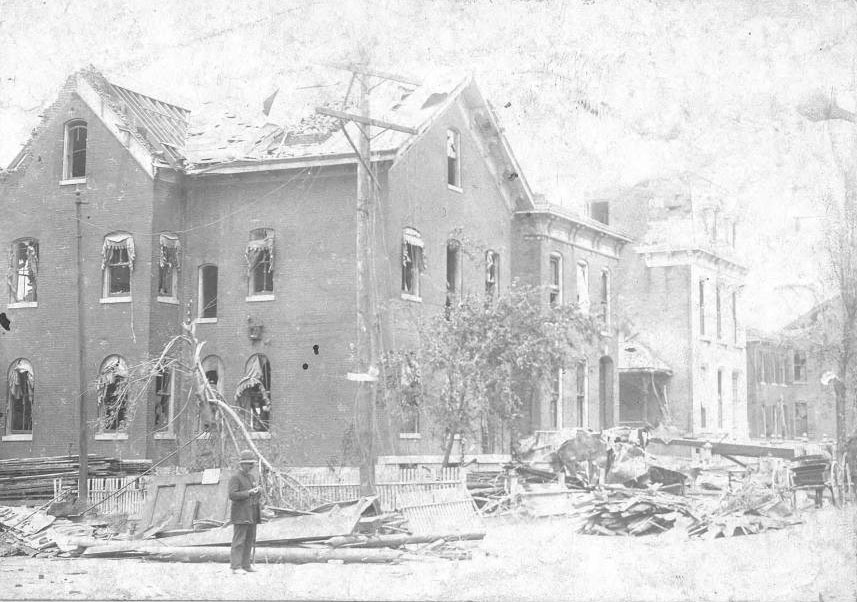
(583, 286)
(453, 159)
(413, 262)
(492, 273)
(164, 405)
(453, 271)
(117, 264)
(260, 261)
(74, 161)
(23, 271)
(254, 393)
(702, 307)
(207, 307)
(169, 263)
(604, 309)
(800, 366)
(555, 279)
(735, 318)
(717, 304)
(212, 365)
(21, 385)
(112, 387)
(600, 211)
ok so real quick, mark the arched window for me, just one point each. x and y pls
(112, 388)
(254, 393)
(260, 261)
(21, 381)
(117, 264)
(23, 271)
(212, 365)
(74, 162)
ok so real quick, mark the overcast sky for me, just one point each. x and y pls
(594, 95)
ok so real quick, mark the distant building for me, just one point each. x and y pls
(679, 290)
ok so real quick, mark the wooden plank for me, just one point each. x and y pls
(365, 120)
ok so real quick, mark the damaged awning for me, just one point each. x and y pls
(254, 377)
(116, 243)
(170, 256)
(636, 357)
(259, 250)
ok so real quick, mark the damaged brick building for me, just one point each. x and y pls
(248, 228)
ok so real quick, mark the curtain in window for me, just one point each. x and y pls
(23, 267)
(257, 249)
(170, 251)
(21, 369)
(117, 242)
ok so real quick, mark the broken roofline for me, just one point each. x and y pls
(250, 165)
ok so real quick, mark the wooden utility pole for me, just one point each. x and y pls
(367, 343)
(368, 331)
(82, 436)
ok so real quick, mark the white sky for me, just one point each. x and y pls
(593, 95)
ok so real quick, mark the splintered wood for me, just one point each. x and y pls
(449, 510)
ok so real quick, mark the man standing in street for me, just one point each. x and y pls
(246, 514)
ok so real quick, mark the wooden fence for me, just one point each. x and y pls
(129, 501)
(390, 482)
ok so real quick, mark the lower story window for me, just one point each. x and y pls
(112, 386)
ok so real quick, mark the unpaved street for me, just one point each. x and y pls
(519, 560)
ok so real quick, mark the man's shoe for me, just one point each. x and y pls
(250, 569)
(239, 572)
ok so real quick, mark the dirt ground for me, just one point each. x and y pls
(521, 559)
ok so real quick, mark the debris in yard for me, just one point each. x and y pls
(450, 510)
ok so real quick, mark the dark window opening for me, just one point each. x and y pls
(600, 211)
(254, 396)
(800, 366)
(208, 291)
(492, 273)
(412, 262)
(260, 257)
(118, 272)
(21, 389)
(113, 393)
(453, 271)
(163, 405)
(75, 161)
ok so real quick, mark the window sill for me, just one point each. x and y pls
(111, 437)
(115, 300)
(22, 304)
(17, 437)
(414, 298)
(72, 181)
(255, 298)
(410, 436)
(260, 435)
(171, 436)
(170, 300)
(454, 188)
(206, 320)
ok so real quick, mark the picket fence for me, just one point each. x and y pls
(129, 501)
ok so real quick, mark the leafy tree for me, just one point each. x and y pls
(487, 358)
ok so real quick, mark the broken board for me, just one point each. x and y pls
(173, 501)
(287, 529)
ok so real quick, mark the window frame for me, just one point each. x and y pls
(492, 273)
(18, 266)
(453, 160)
(800, 354)
(606, 291)
(555, 277)
(109, 265)
(11, 431)
(454, 269)
(68, 166)
(167, 430)
(122, 425)
(412, 256)
(701, 302)
(718, 304)
(720, 400)
(166, 266)
(582, 392)
(265, 381)
(584, 301)
(263, 266)
(555, 402)
(201, 281)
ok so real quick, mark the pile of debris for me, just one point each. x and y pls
(633, 512)
(34, 533)
(32, 479)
